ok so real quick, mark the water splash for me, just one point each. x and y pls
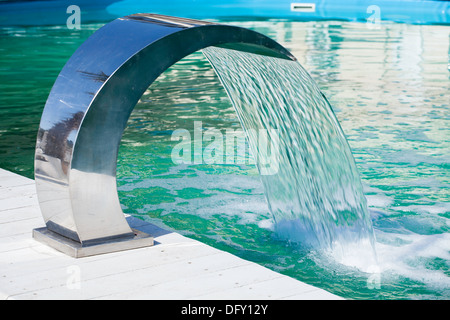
(315, 195)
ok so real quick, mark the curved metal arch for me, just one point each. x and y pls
(89, 106)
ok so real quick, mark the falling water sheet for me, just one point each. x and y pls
(311, 183)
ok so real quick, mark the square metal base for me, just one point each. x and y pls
(74, 249)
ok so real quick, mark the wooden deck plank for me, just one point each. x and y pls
(176, 267)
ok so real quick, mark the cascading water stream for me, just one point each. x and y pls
(311, 181)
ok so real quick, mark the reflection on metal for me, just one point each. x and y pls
(87, 111)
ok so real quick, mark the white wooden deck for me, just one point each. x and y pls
(176, 267)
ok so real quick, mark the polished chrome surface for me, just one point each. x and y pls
(89, 106)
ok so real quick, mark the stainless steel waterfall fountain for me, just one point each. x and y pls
(87, 111)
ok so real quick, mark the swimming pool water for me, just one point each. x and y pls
(389, 88)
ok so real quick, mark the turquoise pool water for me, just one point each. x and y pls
(389, 88)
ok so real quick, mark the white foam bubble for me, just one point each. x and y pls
(379, 200)
(358, 254)
(266, 224)
(437, 208)
(408, 257)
